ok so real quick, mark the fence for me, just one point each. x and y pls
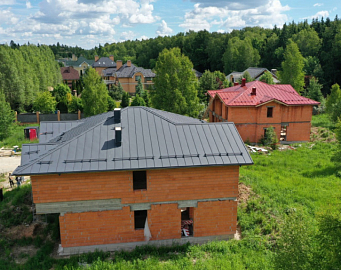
(36, 118)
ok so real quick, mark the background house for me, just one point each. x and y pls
(255, 106)
(254, 72)
(80, 64)
(69, 75)
(108, 174)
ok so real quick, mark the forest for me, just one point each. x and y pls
(24, 72)
(319, 43)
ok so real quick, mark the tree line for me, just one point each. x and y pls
(26, 71)
(319, 43)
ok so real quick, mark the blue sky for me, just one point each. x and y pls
(87, 23)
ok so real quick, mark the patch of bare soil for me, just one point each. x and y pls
(22, 254)
(244, 193)
(321, 134)
(20, 231)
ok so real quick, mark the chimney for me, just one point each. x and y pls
(117, 115)
(129, 63)
(118, 136)
(274, 71)
(243, 81)
(253, 93)
(96, 58)
(111, 58)
(235, 83)
(74, 57)
(118, 64)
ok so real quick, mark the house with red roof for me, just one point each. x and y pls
(69, 74)
(255, 106)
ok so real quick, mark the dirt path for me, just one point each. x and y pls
(8, 164)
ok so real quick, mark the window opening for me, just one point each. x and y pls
(140, 217)
(283, 133)
(186, 221)
(270, 112)
(265, 131)
(137, 77)
(139, 180)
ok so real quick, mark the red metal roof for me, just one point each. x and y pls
(241, 95)
(69, 73)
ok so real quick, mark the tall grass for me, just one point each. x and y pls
(16, 137)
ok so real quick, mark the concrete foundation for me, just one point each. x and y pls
(130, 246)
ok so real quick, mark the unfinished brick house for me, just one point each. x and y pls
(115, 176)
(255, 106)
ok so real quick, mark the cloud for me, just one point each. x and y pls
(129, 35)
(7, 2)
(163, 29)
(264, 13)
(28, 4)
(7, 17)
(318, 5)
(231, 4)
(320, 14)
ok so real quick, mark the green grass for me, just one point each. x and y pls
(295, 194)
(17, 137)
(322, 120)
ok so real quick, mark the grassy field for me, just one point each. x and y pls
(17, 137)
(291, 220)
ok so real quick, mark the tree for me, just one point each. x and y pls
(111, 103)
(116, 91)
(44, 102)
(95, 94)
(246, 75)
(333, 102)
(139, 87)
(292, 67)
(308, 42)
(175, 87)
(267, 78)
(75, 105)
(60, 93)
(6, 117)
(207, 81)
(125, 100)
(314, 90)
(138, 101)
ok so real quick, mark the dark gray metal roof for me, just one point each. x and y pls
(33, 151)
(129, 71)
(104, 62)
(151, 139)
(51, 129)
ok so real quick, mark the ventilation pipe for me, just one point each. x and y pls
(243, 81)
(118, 136)
(117, 115)
(253, 93)
(236, 83)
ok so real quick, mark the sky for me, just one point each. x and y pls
(88, 23)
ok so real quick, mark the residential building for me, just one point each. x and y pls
(128, 75)
(255, 106)
(255, 74)
(80, 64)
(69, 75)
(134, 176)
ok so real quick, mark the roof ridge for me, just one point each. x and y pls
(58, 146)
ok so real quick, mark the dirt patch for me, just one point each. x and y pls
(18, 232)
(322, 134)
(244, 193)
(22, 254)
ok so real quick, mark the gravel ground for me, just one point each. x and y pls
(8, 164)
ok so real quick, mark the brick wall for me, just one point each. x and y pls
(215, 218)
(162, 185)
(117, 226)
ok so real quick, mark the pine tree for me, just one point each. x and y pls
(139, 88)
(95, 94)
(125, 100)
(314, 90)
(333, 103)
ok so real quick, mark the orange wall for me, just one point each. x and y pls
(215, 218)
(162, 185)
(251, 121)
(117, 226)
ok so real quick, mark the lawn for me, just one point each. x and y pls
(17, 137)
(291, 220)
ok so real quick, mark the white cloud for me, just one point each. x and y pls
(318, 5)
(129, 35)
(320, 14)
(7, 17)
(265, 13)
(28, 4)
(7, 2)
(163, 29)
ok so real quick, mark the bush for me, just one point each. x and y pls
(44, 102)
